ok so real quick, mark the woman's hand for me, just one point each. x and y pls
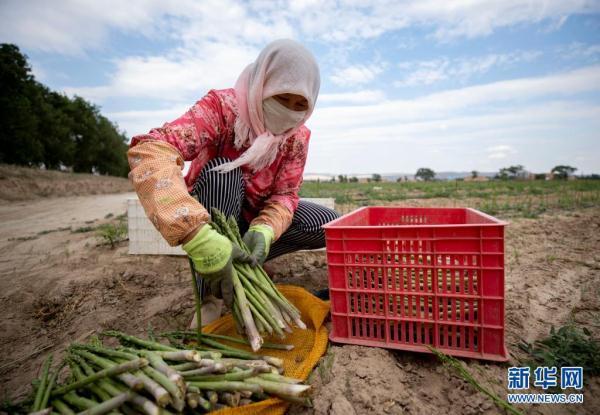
(258, 239)
(213, 256)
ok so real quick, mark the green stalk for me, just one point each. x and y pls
(268, 316)
(247, 270)
(276, 388)
(49, 387)
(166, 383)
(239, 322)
(219, 218)
(39, 396)
(89, 371)
(241, 375)
(160, 365)
(260, 365)
(274, 294)
(273, 311)
(184, 355)
(79, 375)
(235, 230)
(62, 407)
(160, 394)
(229, 351)
(185, 366)
(197, 372)
(258, 318)
(119, 354)
(115, 389)
(248, 285)
(198, 302)
(140, 402)
(146, 344)
(108, 405)
(269, 282)
(286, 306)
(108, 372)
(259, 322)
(243, 341)
(78, 401)
(251, 331)
(227, 386)
(274, 377)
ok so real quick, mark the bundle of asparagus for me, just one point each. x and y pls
(258, 307)
(148, 377)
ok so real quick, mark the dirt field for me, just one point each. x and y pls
(59, 285)
(20, 183)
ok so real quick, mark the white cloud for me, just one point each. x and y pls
(356, 74)
(140, 122)
(179, 76)
(486, 126)
(357, 97)
(448, 20)
(461, 69)
(578, 50)
(500, 152)
(429, 72)
(72, 27)
(474, 98)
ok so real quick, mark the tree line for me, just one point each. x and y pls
(561, 172)
(43, 128)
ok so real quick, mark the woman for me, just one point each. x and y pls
(248, 148)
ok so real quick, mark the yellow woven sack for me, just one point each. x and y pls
(309, 346)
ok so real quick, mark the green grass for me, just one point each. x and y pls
(112, 233)
(567, 346)
(527, 199)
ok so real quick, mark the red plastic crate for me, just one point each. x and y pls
(406, 278)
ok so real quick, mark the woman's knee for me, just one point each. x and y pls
(311, 217)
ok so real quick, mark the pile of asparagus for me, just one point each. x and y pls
(152, 378)
(258, 307)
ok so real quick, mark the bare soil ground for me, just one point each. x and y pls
(21, 183)
(58, 284)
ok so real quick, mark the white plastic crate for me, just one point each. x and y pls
(144, 239)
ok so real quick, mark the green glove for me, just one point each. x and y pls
(258, 239)
(213, 256)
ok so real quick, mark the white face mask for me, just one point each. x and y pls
(278, 118)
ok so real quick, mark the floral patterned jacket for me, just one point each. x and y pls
(201, 134)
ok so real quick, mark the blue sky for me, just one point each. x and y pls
(454, 85)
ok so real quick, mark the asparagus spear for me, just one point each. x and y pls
(227, 386)
(39, 396)
(112, 371)
(108, 405)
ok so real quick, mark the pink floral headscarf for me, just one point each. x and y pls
(283, 66)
